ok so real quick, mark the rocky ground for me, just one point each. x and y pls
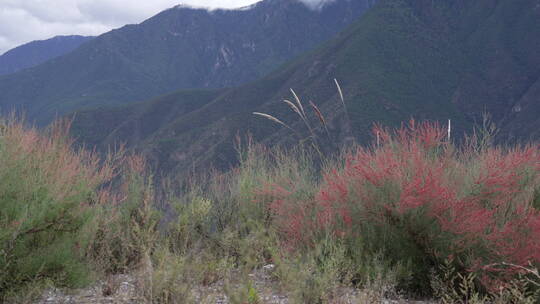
(124, 289)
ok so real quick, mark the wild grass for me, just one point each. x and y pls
(411, 215)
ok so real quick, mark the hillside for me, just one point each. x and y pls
(434, 60)
(37, 52)
(352, 190)
(179, 48)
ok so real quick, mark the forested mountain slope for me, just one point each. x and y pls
(179, 48)
(427, 59)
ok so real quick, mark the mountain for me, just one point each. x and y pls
(181, 47)
(38, 52)
(427, 59)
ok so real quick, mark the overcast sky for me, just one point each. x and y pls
(22, 21)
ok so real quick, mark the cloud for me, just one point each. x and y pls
(316, 4)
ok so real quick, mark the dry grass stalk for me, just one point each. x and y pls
(303, 115)
(342, 98)
(293, 107)
(320, 116)
(299, 103)
(274, 119)
(340, 91)
(529, 270)
(449, 129)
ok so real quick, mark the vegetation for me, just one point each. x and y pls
(415, 214)
(61, 222)
(412, 215)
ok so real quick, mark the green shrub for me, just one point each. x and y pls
(47, 198)
(125, 232)
(242, 293)
(171, 278)
(67, 215)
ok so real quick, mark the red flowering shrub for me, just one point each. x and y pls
(418, 198)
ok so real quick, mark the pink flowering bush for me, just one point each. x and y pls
(421, 200)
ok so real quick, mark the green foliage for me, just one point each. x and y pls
(187, 228)
(315, 276)
(243, 294)
(452, 286)
(169, 278)
(126, 228)
(66, 216)
(47, 198)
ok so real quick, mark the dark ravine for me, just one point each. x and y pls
(178, 48)
(434, 60)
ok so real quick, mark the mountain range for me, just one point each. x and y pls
(203, 74)
(426, 59)
(181, 47)
(37, 52)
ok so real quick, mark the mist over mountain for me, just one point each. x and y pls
(316, 4)
(37, 52)
(179, 48)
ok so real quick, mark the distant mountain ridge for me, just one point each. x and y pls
(178, 48)
(426, 59)
(37, 52)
